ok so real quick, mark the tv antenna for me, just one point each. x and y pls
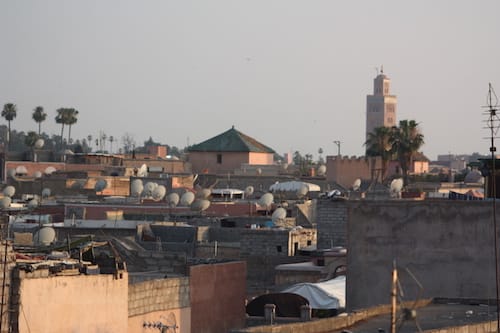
(493, 124)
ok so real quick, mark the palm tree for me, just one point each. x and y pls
(66, 116)
(9, 112)
(30, 141)
(39, 116)
(406, 141)
(379, 143)
(111, 139)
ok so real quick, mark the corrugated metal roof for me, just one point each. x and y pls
(231, 141)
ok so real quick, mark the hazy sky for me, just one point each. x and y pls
(292, 74)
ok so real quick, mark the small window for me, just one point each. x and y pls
(309, 242)
(219, 158)
(278, 248)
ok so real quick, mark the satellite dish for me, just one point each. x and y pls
(200, 205)
(172, 199)
(302, 191)
(136, 188)
(149, 188)
(143, 171)
(79, 184)
(9, 191)
(284, 166)
(266, 200)
(396, 185)
(5, 202)
(38, 174)
(33, 203)
(159, 192)
(279, 215)
(21, 170)
(321, 170)
(258, 171)
(45, 236)
(50, 170)
(248, 191)
(356, 185)
(203, 193)
(39, 143)
(187, 199)
(100, 185)
(11, 173)
(46, 192)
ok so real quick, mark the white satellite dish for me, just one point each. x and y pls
(46, 192)
(9, 191)
(187, 199)
(100, 185)
(45, 236)
(38, 174)
(356, 185)
(248, 191)
(172, 199)
(279, 214)
(396, 185)
(302, 191)
(21, 170)
(203, 193)
(5, 202)
(50, 170)
(200, 205)
(266, 200)
(136, 187)
(39, 143)
(11, 173)
(149, 188)
(321, 170)
(143, 171)
(159, 192)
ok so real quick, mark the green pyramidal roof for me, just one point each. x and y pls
(232, 141)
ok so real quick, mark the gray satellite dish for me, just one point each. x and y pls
(203, 193)
(321, 170)
(45, 236)
(136, 187)
(11, 173)
(187, 199)
(248, 191)
(39, 143)
(5, 202)
(9, 191)
(266, 200)
(46, 192)
(200, 205)
(33, 203)
(79, 184)
(356, 185)
(159, 192)
(172, 199)
(50, 170)
(100, 185)
(38, 174)
(279, 215)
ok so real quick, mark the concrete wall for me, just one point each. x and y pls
(218, 297)
(165, 301)
(447, 245)
(80, 303)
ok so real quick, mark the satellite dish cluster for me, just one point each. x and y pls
(149, 190)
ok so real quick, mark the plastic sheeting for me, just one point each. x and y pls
(322, 295)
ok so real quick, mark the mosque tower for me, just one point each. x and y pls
(381, 106)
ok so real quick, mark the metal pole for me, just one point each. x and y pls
(394, 294)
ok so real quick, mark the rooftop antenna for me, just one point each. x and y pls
(493, 124)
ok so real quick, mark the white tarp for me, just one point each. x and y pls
(293, 186)
(322, 295)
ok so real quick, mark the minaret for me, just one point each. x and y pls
(381, 106)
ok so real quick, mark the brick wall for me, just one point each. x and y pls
(332, 223)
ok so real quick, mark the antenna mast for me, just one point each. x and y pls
(493, 124)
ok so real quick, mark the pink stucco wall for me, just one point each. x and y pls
(206, 162)
(77, 304)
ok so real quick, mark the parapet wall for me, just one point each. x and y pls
(331, 223)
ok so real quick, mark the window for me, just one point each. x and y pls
(219, 158)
